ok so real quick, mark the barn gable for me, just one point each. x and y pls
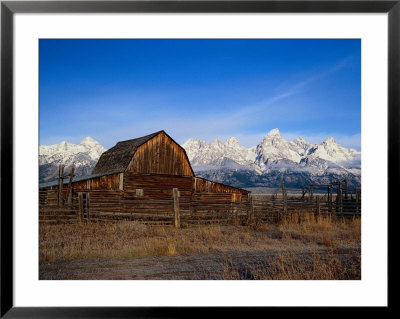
(153, 153)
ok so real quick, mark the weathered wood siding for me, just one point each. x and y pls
(48, 196)
(105, 203)
(134, 186)
(153, 193)
(201, 185)
(147, 197)
(154, 186)
(161, 155)
(109, 182)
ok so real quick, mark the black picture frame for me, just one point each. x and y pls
(9, 8)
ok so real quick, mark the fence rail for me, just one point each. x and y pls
(198, 209)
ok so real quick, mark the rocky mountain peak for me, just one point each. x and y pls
(216, 143)
(192, 142)
(89, 141)
(273, 138)
(299, 140)
(232, 141)
(274, 132)
(330, 141)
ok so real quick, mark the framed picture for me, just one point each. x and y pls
(159, 84)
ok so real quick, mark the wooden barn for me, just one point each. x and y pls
(144, 178)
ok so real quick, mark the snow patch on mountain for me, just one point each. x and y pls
(200, 153)
(274, 159)
(300, 146)
(88, 146)
(275, 148)
(82, 156)
(332, 151)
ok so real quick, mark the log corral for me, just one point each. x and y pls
(143, 179)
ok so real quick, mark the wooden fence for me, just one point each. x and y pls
(200, 208)
(270, 208)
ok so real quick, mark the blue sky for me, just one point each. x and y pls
(114, 90)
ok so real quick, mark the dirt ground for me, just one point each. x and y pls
(230, 265)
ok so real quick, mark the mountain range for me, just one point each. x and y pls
(82, 156)
(267, 164)
(274, 160)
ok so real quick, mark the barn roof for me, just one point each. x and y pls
(117, 158)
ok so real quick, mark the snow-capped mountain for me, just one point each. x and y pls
(274, 148)
(274, 159)
(332, 151)
(82, 156)
(300, 146)
(217, 153)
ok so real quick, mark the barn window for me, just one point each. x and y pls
(139, 191)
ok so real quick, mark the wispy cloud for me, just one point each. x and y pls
(293, 89)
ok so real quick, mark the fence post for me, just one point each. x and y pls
(311, 192)
(80, 200)
(284, 200)
(357, 200)
(176, 208)
(88, 206)
(69, 190)
(340, 198)
(251, 215)
(330, 198)
(285, 204)
(273, 202)
(235, 212)
(60, 185)
(318, 210)
(346, 189)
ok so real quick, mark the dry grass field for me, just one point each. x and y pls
(309, 247)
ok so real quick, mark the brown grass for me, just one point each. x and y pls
(291, 266)
(121, 240)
